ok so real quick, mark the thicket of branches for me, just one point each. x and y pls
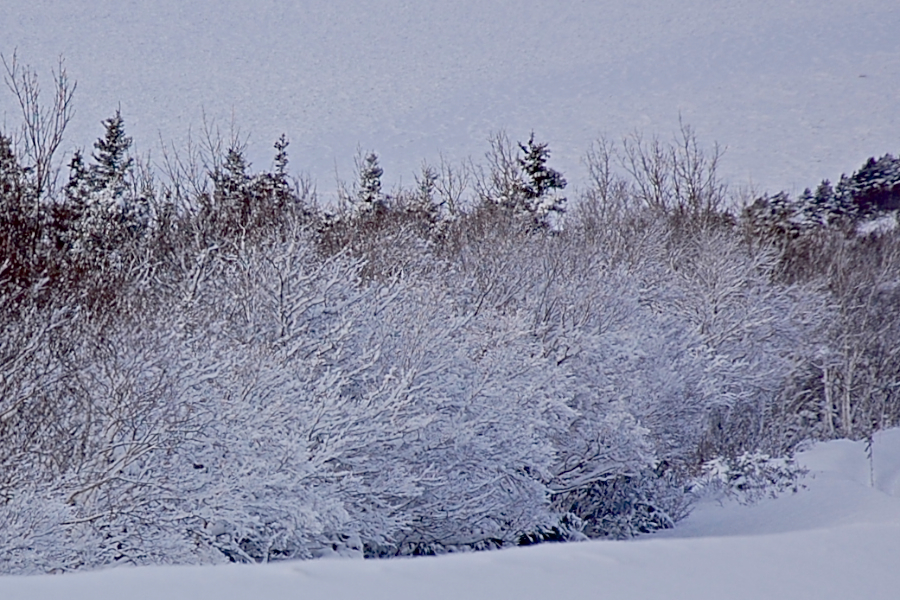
(199, 363)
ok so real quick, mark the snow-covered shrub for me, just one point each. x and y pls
(450, 405)
(759, 335)
(748, 478)
(39, 534)
(677, 344)
(626, 506)
(39, 422)
(847, 388)
(288, 408)
(629, 374)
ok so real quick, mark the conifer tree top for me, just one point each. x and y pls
(112, 150)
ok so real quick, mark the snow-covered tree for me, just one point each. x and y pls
(520, 181)
(112, 163)
(541, 186)
(368, 187)
(101, 209)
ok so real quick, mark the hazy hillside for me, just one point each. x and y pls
(797, 91)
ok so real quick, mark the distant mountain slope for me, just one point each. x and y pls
(798, 91)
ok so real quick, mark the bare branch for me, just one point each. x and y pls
(43, 127)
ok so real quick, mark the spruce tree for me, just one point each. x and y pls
(369, 187)
(16, 220)
(100, 211)
(281, 158)
(78, 188)
(70, 215)
(112, 163)
(829, 206)
(541, 179)
(12, 179)
(232, 177)
(540, 182)
(275, 186)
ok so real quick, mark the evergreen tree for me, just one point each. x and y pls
(281, 158)
(231, 204)
(12, 176)
(540, 182)
(541, 179)
(876, 186)
(69, 216)
(807, 213)
(275, 186)
(824, 196)
(112, 163)
(830, 206)
(100, 211)
(368, 192)
(232, 177)
(426, 189)
(16, 219)
(78, 188)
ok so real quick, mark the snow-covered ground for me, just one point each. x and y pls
(837, 538)
(798, 91)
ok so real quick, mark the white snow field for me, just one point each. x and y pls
(837, 538)
(798, 91)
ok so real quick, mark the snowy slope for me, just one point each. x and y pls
(797, 91)
(838, 538)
